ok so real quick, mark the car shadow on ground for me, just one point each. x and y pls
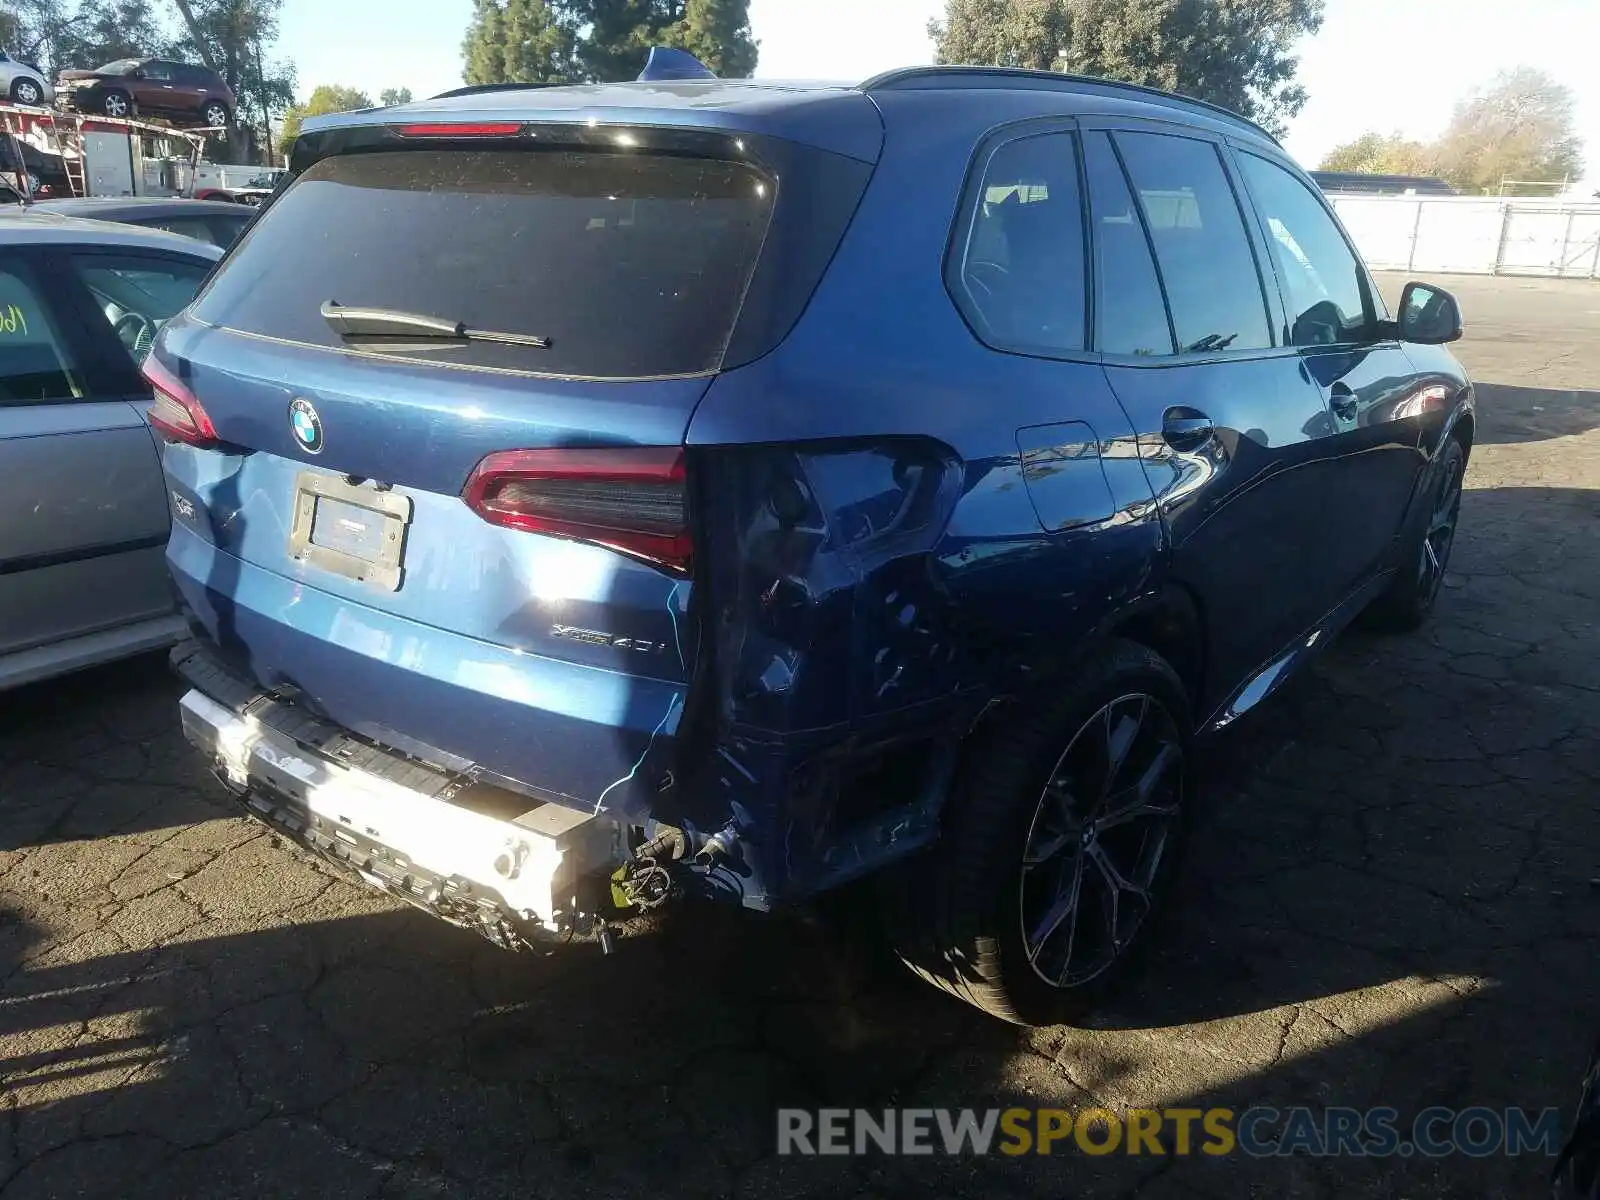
(1388, 901)
(1525, 414)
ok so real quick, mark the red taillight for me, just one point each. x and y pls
(445, 129)
(176, 414)
(630, 500)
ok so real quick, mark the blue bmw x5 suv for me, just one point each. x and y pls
(588, 497)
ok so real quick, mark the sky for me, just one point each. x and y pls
(1388, 65)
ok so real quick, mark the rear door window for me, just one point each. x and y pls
(191, 227)
(225, 231)
(1200, 242)
(1021, 281)
(138, 294)
(1130, 314)
(630, 265)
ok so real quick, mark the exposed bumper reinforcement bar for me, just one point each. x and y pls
(499, 864)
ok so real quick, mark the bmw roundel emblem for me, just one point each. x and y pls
(306, 425)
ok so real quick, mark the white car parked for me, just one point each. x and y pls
(23, 83)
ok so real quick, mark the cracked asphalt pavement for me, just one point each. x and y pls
(1391, 901)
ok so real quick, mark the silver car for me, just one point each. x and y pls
(83, 511)
(23, 83)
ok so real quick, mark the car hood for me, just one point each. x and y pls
(77, 73)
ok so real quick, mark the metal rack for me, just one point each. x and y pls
(65, 134)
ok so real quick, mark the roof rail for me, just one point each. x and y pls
(966, 76)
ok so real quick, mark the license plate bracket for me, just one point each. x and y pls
(351, 530)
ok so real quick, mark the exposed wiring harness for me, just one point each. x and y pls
(643, 882)
(646, 884)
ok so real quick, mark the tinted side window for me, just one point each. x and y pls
(1130, 313)
(1021, 279)
(138, 294)
(225, 231)
(1206, 263)
(1321, 277)
(35, 367)
(157, 70)
(191, 227)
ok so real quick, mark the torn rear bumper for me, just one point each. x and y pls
(480, 857)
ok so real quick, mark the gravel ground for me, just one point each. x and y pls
(1391, 902)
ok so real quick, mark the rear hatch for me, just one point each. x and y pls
(472, 546)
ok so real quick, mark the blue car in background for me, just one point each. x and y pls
(590, 497)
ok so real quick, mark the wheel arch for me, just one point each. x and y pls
(1167, 621)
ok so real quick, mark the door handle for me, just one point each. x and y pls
(1343, 401)
(1186, 428)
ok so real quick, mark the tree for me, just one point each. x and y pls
(1236, 53)
(102, 33)
(717, 32)
(1521, 127)
(54, 35)
(228, 36)
(519, 41)
(389, 97)
(1002, 33)
(619, 34)
(482, 49)
(325, 98)
(34, 29)
(1376, 154)
(561, 41)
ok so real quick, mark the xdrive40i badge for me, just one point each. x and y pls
(595, 637)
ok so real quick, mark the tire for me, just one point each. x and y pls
(215, 113)
(117, 103)
(26, 91)
(957, 914)
(1410, 598)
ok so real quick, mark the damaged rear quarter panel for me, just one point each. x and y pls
(899, 527)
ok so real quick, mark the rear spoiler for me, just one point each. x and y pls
(478, 89)
(664, 62)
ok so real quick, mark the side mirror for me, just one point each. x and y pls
(1429, 315)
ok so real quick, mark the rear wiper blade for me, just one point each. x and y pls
(395, 323)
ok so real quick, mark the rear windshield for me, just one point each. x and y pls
(630, 265)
